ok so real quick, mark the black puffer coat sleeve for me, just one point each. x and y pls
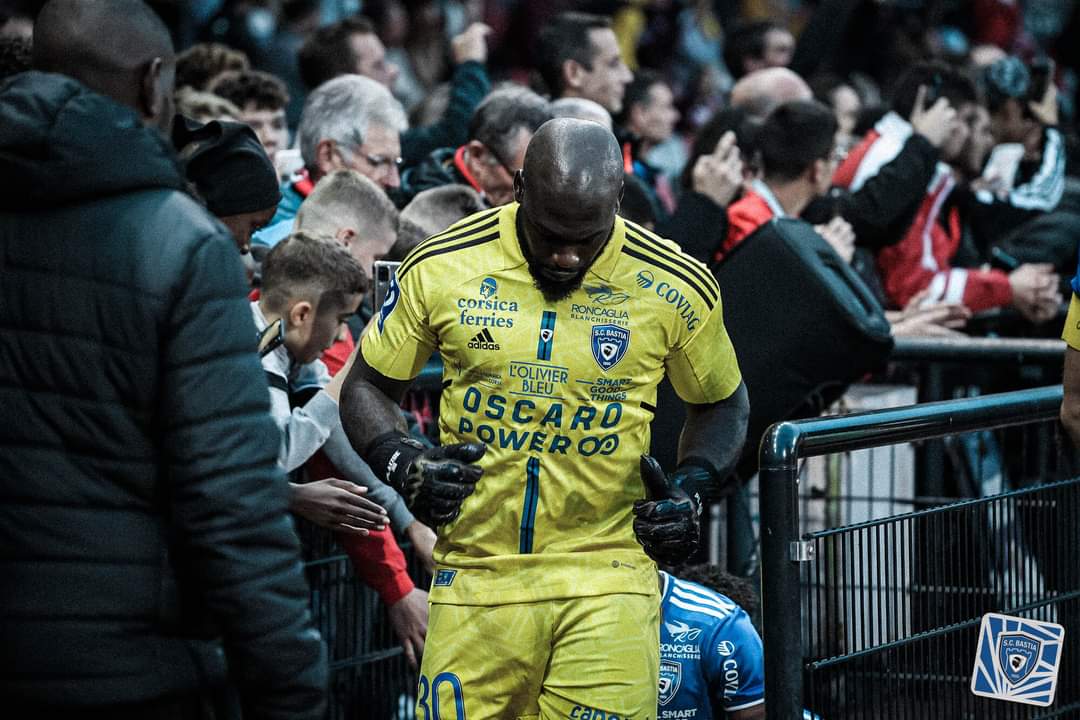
(228, 498)
(468, 86)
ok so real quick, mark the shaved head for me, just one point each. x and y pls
(569, 192)
(763, 90)
(575, 161)
(119, 48)
(582, 109)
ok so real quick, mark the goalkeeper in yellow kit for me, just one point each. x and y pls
(555, 320)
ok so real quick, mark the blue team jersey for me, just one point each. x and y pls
(711, 660)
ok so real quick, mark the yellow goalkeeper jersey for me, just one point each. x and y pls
(562, 393)
(1071, 332)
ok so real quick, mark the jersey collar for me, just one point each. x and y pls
(766, 194)
(603, 267)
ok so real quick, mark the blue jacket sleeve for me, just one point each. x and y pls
(468, 86)
(735, 664)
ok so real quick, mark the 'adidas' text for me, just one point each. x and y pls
(483, 341)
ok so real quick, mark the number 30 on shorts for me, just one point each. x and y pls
(430, 708)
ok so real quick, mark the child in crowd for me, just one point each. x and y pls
(310, 286)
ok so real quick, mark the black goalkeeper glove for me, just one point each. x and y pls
(434, 481)
(667, 522)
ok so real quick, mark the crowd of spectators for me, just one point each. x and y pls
(930, 144)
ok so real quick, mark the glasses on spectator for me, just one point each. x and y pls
(378, 161)
(496, 159)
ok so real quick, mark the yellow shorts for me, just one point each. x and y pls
(588, 658)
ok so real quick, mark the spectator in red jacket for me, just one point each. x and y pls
(922, 259)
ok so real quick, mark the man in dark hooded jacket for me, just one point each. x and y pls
(148, 560)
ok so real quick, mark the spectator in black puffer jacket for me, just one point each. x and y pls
(148, 560)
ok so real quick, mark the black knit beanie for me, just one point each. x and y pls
(227, 165)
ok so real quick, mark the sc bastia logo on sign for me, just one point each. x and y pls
(609, 345)
(1017, 659)
(1018, 654)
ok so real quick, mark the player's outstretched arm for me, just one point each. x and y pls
(369, 404)
(433, 481)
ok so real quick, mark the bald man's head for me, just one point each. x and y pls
(574, 160)
(119, 48)
(762, 90)
(569, 191)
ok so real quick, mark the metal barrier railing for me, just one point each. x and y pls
(921, 369)
(369, 671)
(1013, 351)
(943, 367)
(878, 618)
(369, 677)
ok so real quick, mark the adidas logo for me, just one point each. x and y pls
(484, 341)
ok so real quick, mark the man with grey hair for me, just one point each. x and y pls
(582, 109)
(150, 563)
(436, 209)
(499, 132)
(349, 122)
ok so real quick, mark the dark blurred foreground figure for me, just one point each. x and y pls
(14, 55)
(150, 568)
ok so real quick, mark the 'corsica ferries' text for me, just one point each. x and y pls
(486, 312)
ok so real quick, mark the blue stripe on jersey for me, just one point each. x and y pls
(547, 335)
(528, 511)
